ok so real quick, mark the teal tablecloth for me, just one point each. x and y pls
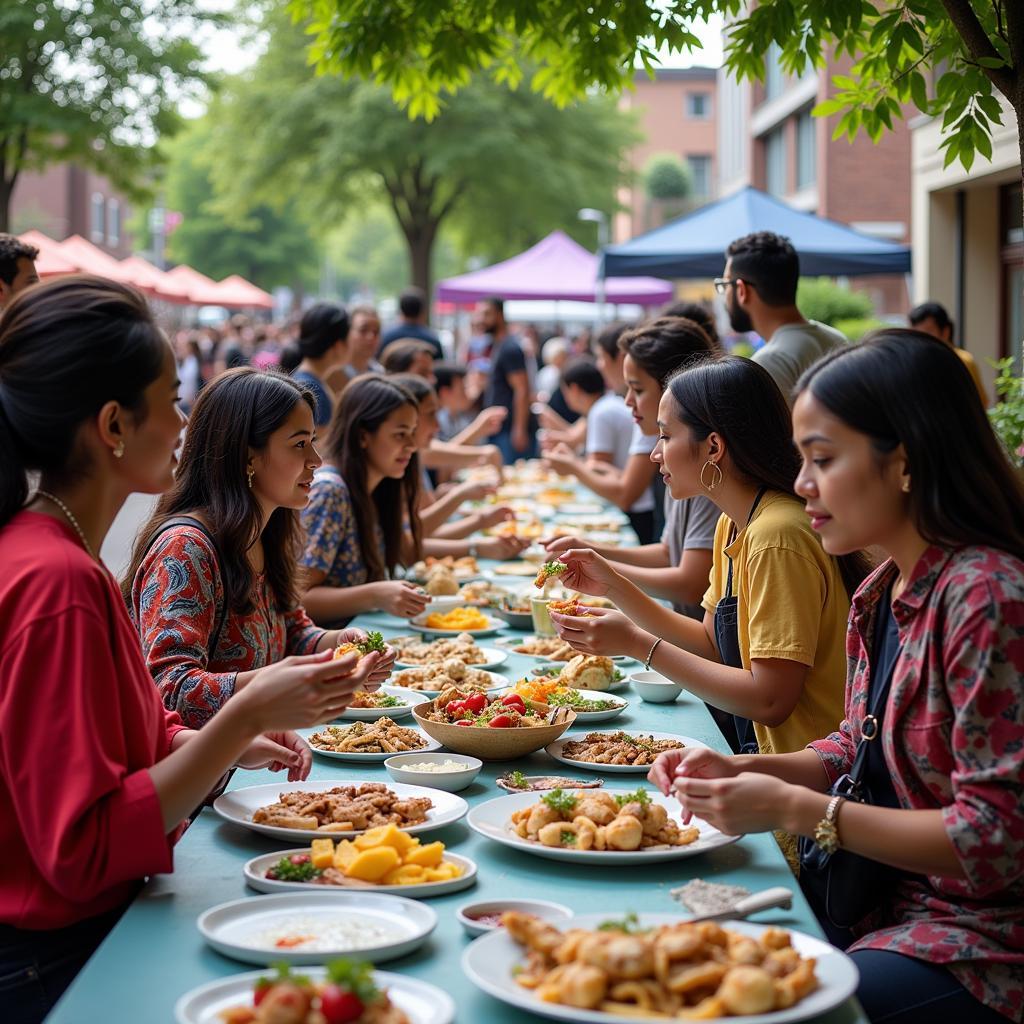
(156, 953)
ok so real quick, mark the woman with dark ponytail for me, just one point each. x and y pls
(771, 647)
(898, 453)
(88, 402)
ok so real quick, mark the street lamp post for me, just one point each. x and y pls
(601, 219)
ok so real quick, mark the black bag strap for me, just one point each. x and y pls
(221, 611)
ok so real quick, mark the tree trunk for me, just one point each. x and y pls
(6, 192)
(420, 239)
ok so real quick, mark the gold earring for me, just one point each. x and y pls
(250, 473)
(119, 450)
(716, 475)
(906, 486)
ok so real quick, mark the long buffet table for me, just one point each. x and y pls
(155, 954)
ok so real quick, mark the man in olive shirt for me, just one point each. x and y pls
(761, 275)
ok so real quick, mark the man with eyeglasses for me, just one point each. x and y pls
(761, 274)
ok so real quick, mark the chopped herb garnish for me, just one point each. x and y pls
(630, 924)
(618, 676)
(640, 796)
(356, 977)
(386, 700)
(567, 838)
(518, 779)
(286, 870)
(560, 801)
(374, 642)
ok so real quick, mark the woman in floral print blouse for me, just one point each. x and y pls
(216, 602)
(898, 453)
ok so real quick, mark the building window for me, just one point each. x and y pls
(774, 76)
(806, 151)
(97, 217)
(698, 106)
(775, 181)
(113, 222)
(700, 174)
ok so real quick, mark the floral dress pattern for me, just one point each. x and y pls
(953, 739)
(332, 537)
(177, 597)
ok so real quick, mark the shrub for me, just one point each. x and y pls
(822, 299)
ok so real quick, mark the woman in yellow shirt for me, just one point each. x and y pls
(771, 647)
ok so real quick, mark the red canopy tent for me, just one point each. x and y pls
(49, 262)
(153, 280)
(201, 290)
(90, 259)
(236, 291)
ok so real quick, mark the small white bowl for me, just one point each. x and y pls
(655, 688)
(556, 913)
(450, 782)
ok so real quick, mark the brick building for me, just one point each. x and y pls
(767, 138)
(677, 111)
(65, 200)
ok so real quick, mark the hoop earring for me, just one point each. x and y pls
(716, 475)
(250, 473)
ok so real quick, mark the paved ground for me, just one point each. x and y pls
(117, 549)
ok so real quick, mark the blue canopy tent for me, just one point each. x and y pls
(694, 246)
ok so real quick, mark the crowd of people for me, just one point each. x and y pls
(830, 553)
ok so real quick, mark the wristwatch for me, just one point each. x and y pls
(826, 832)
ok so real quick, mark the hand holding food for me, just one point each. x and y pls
(567, 542)
(588, 572)
(363, 644)
(601, 631)
(277, 751)
(547, 571)
(493, 516)
(747, 802)
(696, 762)
(400, 597)
(500, 548)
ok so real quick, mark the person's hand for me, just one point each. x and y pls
(501, 548)
(490, 455)
(601, 631)
(550, 420)
(588, 572)
(561, 458)
(401, 598)
(490, 420)
(558, 545)
(278, 751)
(303, 690)
(695, 762)
(494, 516)
(520, 439)
(748, 802)
(475, 490)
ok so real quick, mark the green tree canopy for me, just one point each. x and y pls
(498, 167)
(667, 177)
(424, 52)
(93, 82)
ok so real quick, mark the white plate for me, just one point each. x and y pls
(233, 928)
(492, 659)
(545, 669)
(489, 961)
(493, 626)
(429, 745)
(518, 568)
(498, 682)
(421, 1003)
(555, 750)
(239, 805)
(411, 697)
(255, 872)
(589, 717)
(510, 642)
(580, 508)
(491, 819)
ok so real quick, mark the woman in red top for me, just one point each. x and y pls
(215, 598)
(95, 776)
(898, 453)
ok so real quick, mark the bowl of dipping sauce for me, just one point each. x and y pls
(480, 918)
(654, 687)
(450, 772)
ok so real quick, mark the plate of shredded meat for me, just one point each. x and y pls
(743, 972)
(297, 810)
(617, 752)
(367, 741)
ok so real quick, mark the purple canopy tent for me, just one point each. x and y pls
(556, 268)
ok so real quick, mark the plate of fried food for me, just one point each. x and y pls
(519, 567)
(344, 990)
(294, 810)
(482, 593)
(589, 708)
(384, 860)
(367, 741)
(618, 752)
(616, 971)
(463, 569)
(595, 826)
(550, 648)
(585, 672)
(415, 651)
(431, 680)
(388, 701)
(463, 619)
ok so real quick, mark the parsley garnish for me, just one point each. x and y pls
(283, 973)
(356, 977)
(567, 838)
(560, 801)
(553, 568)
(640, 796)
(386, 700)
(374, 642)
(630, 924)
(518, 779)
(285, 870)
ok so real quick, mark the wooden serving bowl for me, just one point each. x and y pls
(490, 744)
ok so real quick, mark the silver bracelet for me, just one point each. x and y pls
(654, 647)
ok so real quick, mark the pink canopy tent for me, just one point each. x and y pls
(236, 291)
(90, 259)
(153, 280)
(556, 268)
(201, 290)
(49, 262)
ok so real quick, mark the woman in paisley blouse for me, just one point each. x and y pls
(898, 453)
(216, 600)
